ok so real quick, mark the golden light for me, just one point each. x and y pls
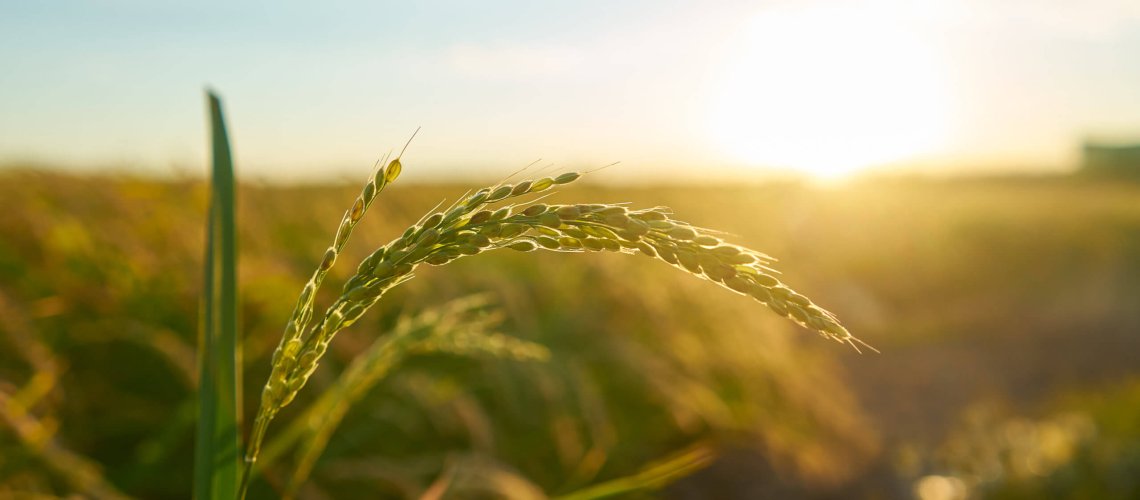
(829, 90)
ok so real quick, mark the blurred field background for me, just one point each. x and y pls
(1005, 310)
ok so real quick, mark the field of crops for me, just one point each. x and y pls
(1006, 312)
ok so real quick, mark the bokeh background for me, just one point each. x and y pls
(956, 180)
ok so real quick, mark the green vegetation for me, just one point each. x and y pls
(1018, 292)
(491, 218)
(218, 437)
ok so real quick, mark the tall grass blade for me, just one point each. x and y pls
(219, 417)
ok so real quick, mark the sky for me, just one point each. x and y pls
(672, 89)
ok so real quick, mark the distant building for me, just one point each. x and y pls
(1102, 160)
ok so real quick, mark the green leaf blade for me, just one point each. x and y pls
(217, 445)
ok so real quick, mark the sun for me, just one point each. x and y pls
(828, 91)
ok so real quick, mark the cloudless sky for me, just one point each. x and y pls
(672, 89)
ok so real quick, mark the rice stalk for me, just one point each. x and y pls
(461, 327)
(285, 355)
(474, 225)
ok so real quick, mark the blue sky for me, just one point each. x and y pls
(315, 90)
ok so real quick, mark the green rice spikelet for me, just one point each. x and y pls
(523, 246)
(393, 170)
(478, 198)
(568, 212)
(480, 217)
(501, 214)
(569, 242)
(682, 233)
(357, 210)
(328, 260)
(567, 177)
(549, 219)
(548, 242)
(433, 221)
(541, 184)
(510, 230)
(500, 193)
(646, 248)
(521, 188)
(534, 210)
(592, 244)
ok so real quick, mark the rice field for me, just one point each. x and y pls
(1004, 310)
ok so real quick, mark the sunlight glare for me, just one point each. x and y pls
(829, 90)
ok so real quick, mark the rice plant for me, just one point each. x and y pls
(508, 216)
